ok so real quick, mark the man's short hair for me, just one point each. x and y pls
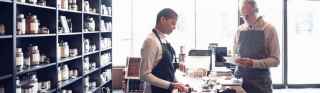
(252, 3)
(167, 13)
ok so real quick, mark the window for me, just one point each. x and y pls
(216, 22)
(303, 41)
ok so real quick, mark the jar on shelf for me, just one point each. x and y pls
(19, 59)
(2, 29)
(42, 2)
(65, 72)
(33, 25)
(32, 1)
(86, 45)
(59, 74)
(65, 50)
(90, 24)
(27, 63)
(73, 52)
(35, 56)
(18, 88)
(21, 25)
(86, 65)
(22, 1)
(86, 6)
(34, 83)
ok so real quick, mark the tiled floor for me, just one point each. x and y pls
(305, 90)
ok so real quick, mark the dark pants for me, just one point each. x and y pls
(257, 85)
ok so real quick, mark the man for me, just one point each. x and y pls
(157, 55)
(258, 45)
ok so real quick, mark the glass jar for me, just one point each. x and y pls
(19, 59)
(73, 5)
(65, 72)
(22, 1)
(35, 56)
(34, 83)
(86, 6)
(21, 25)
(27, 63)
(42, 2)
(73, 52)
(86, 45)
(59, 74)
(33, 25)
(86, 64)
(18, 88)
(32, 1)
(91, 24)
(65, 50)
(2, 29)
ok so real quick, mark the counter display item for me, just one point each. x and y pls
(21, 25)
(2, 29)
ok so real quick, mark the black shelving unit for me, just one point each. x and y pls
(48, 44)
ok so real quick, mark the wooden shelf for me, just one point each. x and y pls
(68, 82)
(90, 53)
(92, 71)
(35, 5)
(5, 77)
(106, 16)
(93, 32)
(107, 49)
(70, 11)
(73, 33)
(48, 43)
(5, 36)
(68, 59)
(7, 1)
(35, 68)
(35, 35)
(90, 13)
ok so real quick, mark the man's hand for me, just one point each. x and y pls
(181, 87)
(245, 62)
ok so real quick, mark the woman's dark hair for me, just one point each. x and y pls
(167, 13)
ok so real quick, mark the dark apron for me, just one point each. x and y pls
(164, 69)
(252, 45)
